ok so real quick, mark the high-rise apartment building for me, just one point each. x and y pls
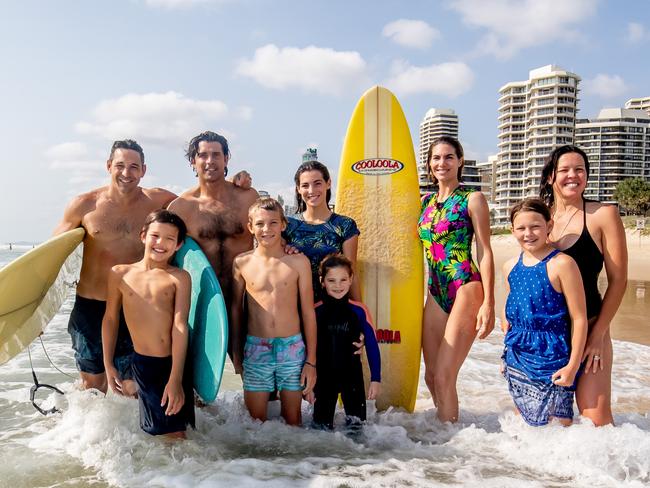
(638, 104)
(617, 143)
(487, 173)
(436, 122)
(310, 154)
(535, 116)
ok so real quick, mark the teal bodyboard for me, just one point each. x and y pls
(207, 321)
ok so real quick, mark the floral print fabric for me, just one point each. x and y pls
(446, 231)
(318, 240)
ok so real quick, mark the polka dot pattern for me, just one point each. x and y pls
(538, 342)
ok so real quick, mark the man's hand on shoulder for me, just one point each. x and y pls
(243, 180)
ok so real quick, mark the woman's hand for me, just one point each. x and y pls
(593, 353)
(485, 320)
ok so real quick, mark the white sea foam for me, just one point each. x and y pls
(97, 441)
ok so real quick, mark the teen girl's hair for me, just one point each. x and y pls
(266, 203)
(458, 149)
(334, 261)
(164, 216)
(311, 166)
(550, 170)
(534, 204)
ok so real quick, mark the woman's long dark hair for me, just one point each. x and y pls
(311, 166)
(550, 171)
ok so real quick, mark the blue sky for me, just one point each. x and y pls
(274, 76)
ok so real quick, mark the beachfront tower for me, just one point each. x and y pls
(639, 104)
(617, 143)
(311, 154)
(436, 122)
(535, 116)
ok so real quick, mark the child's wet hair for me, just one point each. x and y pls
(164, 216)
(533, 204)
(332, 261)
(266, 203)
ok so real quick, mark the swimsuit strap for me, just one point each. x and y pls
(550, 255)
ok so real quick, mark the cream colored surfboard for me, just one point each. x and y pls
(32, 289)
(378, 188)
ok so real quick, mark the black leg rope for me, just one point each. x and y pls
(37, 385)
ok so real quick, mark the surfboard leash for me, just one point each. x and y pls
(37, 385)
(52, 362)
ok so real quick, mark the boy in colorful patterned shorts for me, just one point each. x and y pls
(275, 356)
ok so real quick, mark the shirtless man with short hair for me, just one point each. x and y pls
(216, 211)
(112, 217)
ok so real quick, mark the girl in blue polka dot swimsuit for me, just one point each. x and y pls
(545, 320)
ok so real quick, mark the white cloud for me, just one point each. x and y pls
(450, 79)
(177, 189)
(636, 33)
(73, 156)
(605, 86)
(177, 4)
(245, 112)
(411, 33)
(513, 25)
(165, 119)
(67, 151)
(312, 69)
(86, 181)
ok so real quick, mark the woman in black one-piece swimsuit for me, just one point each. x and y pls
(591, 242)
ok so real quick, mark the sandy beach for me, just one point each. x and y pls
(505, 246)
(630, 323)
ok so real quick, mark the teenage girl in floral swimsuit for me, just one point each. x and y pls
(460, 299)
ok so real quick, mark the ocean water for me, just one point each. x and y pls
(96, 441)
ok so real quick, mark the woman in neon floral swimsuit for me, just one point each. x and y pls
(460, 299)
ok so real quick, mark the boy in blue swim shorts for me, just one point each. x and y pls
(278, 294)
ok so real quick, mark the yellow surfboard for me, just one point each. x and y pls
(29, 296)
(378, 188)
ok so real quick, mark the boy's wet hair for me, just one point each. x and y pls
(332, 261)
(127, 144)
(536, 205)
(311, 166)
(207, 136)
(164, 216)
(266, 203)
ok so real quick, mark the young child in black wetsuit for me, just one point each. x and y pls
(340, 321)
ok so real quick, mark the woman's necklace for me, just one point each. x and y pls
(567, 224)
